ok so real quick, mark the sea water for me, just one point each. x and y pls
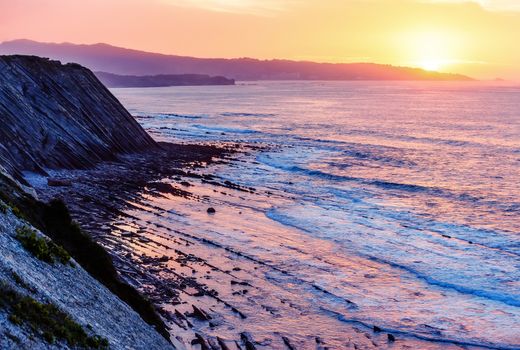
(394, 204)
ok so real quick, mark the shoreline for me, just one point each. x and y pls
(170, 265)
(97, 197)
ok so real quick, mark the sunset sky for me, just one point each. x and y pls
(478, 38)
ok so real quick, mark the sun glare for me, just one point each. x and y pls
(431, 65)
(432, 50)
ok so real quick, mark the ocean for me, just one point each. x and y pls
(387, 204)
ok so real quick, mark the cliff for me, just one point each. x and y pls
(60, 116)
(58, 288)
(127, 81)
(117, 60)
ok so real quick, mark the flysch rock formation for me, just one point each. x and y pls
(55, 116)
(60, 116)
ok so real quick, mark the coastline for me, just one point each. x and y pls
(304, 260)
(176, 269)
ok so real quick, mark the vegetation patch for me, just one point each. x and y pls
(40, 247)
(18, 213)
(3, 208)
(46, 320)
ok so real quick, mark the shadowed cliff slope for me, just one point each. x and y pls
(60, 116)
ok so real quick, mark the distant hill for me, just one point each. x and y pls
(116, 60)
(123, 81)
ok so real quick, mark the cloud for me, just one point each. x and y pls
(491, 5)
(273, 7)
(255, 7)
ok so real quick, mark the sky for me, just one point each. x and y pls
(477, 38)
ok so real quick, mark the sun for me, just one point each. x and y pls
(431, 65)
(432, 50)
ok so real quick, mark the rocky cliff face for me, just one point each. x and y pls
(62, 293)
(60, 116)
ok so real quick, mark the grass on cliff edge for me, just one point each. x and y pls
(55, 221)
(46, 320)
(40, 247)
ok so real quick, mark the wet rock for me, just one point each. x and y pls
(199, 293)
(59, 182)
(200, 314)
(213, 344)
(287, 343)
(164, 258)
(157, 189)
(240, 283)
(128, 234)
(179, 315)
(222, 344)
(248, 341)
(212, 292)
(199, 340)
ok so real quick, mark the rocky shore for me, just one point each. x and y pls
(100, 198)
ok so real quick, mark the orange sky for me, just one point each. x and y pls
(478, 38)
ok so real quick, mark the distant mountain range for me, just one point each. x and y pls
(121, 61)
